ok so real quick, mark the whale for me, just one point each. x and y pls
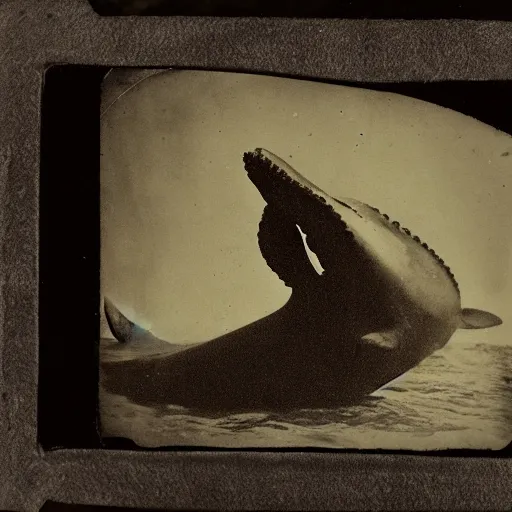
(369, 302)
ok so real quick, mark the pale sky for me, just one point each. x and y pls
(180, 217)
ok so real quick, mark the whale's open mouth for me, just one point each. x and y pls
(286, 190)
(326, 221)
(281, 186)
(302, 206)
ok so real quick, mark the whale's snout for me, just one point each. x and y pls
(296, 200)
(301, 207)
(279, 184)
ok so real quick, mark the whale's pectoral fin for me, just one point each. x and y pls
(124, 330)
(478, 319)
(385, 340)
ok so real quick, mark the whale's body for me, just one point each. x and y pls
(381, 303)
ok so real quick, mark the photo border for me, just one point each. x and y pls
(35, 34)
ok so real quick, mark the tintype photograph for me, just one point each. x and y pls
(290, 263)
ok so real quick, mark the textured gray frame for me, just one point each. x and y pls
(36, 33)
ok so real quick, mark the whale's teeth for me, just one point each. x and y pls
(260, 161)
(424, 245)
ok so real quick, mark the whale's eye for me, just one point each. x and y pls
(313, 258)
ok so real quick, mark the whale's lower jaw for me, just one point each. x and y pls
(185, 380)
(132, 383)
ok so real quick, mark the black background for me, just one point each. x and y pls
(69, 257)
(398, 9)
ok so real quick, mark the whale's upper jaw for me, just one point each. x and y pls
(343, 228)
(300, 202)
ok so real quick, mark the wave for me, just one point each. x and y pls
(458, 398)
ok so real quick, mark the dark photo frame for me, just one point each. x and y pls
(50, 449)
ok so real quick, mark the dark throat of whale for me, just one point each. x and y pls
(297, 226)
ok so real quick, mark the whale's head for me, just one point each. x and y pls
(355, 261)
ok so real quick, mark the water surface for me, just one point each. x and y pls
(460, 397)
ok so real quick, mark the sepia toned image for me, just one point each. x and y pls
(288, 263)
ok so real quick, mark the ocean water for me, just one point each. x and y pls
(460, 397)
